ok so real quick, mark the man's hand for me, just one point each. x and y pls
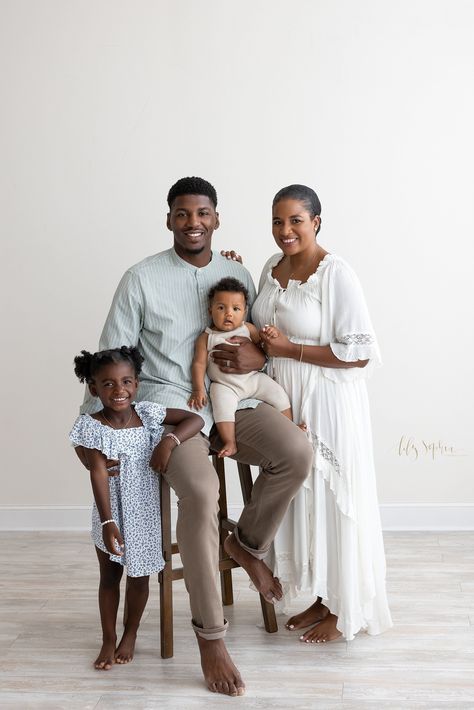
(240, 358)
(198, 399)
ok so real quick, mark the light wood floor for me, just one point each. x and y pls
(49, 634)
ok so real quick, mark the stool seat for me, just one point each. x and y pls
(226, 564)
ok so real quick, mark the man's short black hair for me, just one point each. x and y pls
(192, 186)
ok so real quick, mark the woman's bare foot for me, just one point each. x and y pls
(262, 577)
(229, 449)
(323, 632)
(220, 674)
(313, 615)
(105, 660)
(126, 647)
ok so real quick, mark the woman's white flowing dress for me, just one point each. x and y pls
(330, 541)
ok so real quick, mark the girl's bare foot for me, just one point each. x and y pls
(262, 577)
(105, 660)
(323, 632)
(126, 647)
(314, 614)
(220, 674)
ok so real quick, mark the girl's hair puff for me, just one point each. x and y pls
(87, 364)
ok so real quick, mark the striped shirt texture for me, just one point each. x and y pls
(161, 306)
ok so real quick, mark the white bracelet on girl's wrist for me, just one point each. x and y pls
(107, 521)
(174, 437)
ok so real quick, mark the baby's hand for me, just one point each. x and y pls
(161, 454)
(112, 538)
(198, 399)
(270, 331)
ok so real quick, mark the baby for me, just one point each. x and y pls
(228, 307)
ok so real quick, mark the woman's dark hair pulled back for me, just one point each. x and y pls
(304, 194)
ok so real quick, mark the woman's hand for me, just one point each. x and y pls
(240, 358)
(198, 399)
(161, 454)
(232, 255)
(112, 538)
(275, 343)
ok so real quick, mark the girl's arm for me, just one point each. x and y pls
(100, 485)
(322, 355)
(186, 424)
(198, 373)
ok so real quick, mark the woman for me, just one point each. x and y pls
(316, 330)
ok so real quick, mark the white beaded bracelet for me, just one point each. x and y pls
(107, 521)
(174, 437)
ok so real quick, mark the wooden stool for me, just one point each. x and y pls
(169, 574)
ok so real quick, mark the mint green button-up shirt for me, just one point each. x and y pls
(161, 306)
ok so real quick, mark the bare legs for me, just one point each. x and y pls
(109, 597)
(137, 597)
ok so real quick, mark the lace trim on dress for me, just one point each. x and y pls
(357, 339)
(327, 454)
(335, 475)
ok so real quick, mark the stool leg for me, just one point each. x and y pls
(226, 575)
(246, 484)
(165, 577)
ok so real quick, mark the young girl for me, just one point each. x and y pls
(126, 525)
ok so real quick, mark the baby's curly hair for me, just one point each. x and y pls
(230, 285)
(87, 364)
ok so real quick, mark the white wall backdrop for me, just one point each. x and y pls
(106, 103)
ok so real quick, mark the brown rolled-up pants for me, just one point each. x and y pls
(265, 438)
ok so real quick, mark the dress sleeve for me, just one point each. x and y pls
(152, 416)
(122, 326)
(346, 325)
(91, 434)
(271, 262)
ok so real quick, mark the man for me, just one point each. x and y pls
(161, 306)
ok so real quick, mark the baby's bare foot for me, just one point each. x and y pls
(105, 659)
(323, 632)
(229, 449)
(220, 674)
(126, 647)
(262, 577)
(315, 613)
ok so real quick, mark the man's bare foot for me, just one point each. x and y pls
(323, 632)
(262, 577)
(229, 449)
(220, 673)
(315, 613)
(105, 660)
(126, 647)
